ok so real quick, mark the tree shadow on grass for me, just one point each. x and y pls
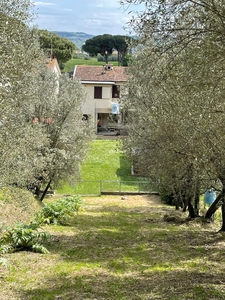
(122, 230)
(153, 285)
(124, 172)
(116, 254)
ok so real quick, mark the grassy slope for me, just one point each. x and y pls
(121, 250)
(105, 161)
(117, 249)
(16, 205)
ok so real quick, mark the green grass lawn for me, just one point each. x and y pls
(105, 168)
(121, 250)
(69, 65)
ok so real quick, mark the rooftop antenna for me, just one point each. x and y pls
(103, 69)
(51, 53)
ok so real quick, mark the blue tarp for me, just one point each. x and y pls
(210, 197)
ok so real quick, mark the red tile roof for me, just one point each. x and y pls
(100, 73)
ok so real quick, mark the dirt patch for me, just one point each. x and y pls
(127, 200)
(142, 202)
(130, 203)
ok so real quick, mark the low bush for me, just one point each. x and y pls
(58, 212)
(22, 237)
(110, 58)
(3, 262)
(166, 195)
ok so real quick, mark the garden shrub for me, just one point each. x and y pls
(165, 194)
(58, 212)
(110, 58)
(23, 237)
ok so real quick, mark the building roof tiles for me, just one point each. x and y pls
(106, 73)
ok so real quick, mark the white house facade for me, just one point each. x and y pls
(103, 86)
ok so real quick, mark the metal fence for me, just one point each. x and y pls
(112, 186)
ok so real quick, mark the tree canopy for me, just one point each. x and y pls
(58, 116)
(121, 45)
(176, 108)
(105, 44)
(42, 136)
(60, 47)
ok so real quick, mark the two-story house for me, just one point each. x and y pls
(103, 86)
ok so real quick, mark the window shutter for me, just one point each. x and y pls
(98, 92)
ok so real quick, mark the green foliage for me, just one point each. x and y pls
(100, 44)
(58, 212)
(36, 151)
(62, 48)
(105, 44)
(178, 100)
(127, 59)
(121, 44)
(112, 57)
(20, 56)
(166, 195)
(64, 140)
(22, 237)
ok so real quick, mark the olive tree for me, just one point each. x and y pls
(57, 110)
(179, 93)
(158, 127)
(42, 136)
(20, 55)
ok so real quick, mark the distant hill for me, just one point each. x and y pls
(78, 38)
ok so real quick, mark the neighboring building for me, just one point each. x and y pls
(53, 65)
(103, 86)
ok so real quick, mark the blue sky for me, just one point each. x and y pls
(90, 16)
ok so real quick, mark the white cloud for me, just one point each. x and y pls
(107, 4)
(43, 3)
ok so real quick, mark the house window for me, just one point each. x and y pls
(98, 92)
(116, 91)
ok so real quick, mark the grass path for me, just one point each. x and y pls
(121, 250)
(105, 162)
